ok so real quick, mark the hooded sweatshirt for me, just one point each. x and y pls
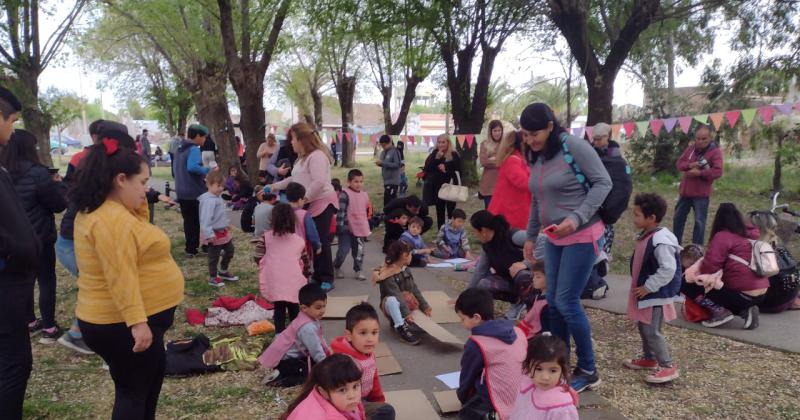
(471, 381)
(213, 217)
(189, 172)
(370, 384)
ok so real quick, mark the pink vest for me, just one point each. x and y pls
(358, 202)
(280, 274)
(534, 317)
(368, 368)
(555, 403)
(315, 406)
(285, 340)
(502, 369)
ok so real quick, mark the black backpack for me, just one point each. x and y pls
(621, 182)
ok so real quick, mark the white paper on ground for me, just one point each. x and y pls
(450, 379)
(439, 265)
(457, 261)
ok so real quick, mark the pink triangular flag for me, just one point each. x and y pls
(656, 125)
(629, 127)
(716, 119)
(669, 124)
(411, 139)
(685, 123)
(766, 113)
(404, 138)
(589, 132)
(470, 139)
(732, 117)
(348, 136)
(785, 108)
(797, 107)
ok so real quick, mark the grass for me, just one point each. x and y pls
(64, 385)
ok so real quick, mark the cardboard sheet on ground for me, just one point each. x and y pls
(442, 312)
(385, 361)
(433, 329)
(411, 404)
(338, 306)
(447, 401)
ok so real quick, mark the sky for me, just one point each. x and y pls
(516, 65)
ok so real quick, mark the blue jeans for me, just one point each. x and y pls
(568, 269)
(700, 206)
(65, 252)
(353, 244)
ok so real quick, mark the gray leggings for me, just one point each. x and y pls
(653, 342)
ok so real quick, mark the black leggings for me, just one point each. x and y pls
(441, 205)
(732, 300)
(323, 262)
(279, 315)
(47, 287)
(137, 376)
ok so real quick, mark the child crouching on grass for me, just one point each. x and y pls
(333, 392)
(215, 231)
(361, 336)
(399, 293)
(655, 286)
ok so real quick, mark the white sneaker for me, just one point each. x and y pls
(360, 276)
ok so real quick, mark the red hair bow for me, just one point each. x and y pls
(111, 146)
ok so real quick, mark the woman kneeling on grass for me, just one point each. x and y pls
(129, 285)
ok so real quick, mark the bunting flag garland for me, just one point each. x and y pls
(748, 115)
(589, 132)
(669, 124)
(732, 117)
(716, 119)
(577, 131)
(797, 107)
(703, 118)
(641, 127)
(685, 123)
(470, 139)
(452, 140)
(766, 113)
(655, 125)
(348, 136)
(615, 130)
(629, 127)
(460, 140)
(412, 139)
(785, 108)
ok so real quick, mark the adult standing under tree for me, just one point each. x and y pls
(146, 147)
(19, 261)
(41, 195)
(401, 148)
(334, 146)
(568, 213)
(281, 163)
(512, 198)
(440, 168)
(208, 151)
(701, 164)
(264, 153)
(488, 160)
(190, 184)
(129, 285)
(389, 162)
(313, 171)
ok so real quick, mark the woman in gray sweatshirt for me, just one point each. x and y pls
(568, 183)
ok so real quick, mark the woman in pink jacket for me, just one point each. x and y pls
(512, 198)
(313, 171)
(333, 392)
(729, 250)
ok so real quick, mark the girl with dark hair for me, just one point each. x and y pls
(41, 195)
(489, 161)
(742, 289)
(280, 274)
(129, 285)
(512, 279)
(332, 392)
(569, 184)
(545, 392)
(440, 168)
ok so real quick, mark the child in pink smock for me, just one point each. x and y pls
(655, 285)
(544, 393)
(333, 392)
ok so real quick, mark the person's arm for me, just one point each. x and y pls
(716, 254)
(482, 270)
(488, 162)
(453, 166)
(534, 224)
(115, 247)
(667, 264)
(598, 178)
(206, 213)
(307, 334)
(683, 160)
(391, 159)
(19, 245)
(272, 166)
(311, 232)
(262, 150)
(376, 395)
(50, 194)
(716, 166)
(194, 162)
(341, 215)
(431, 164)
(464, 242)
(471, 370)
(518, 173)
(440, 236)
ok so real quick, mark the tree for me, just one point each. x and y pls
(462, 32)
(248, 60)
(509, 102)
(60, 108)
(303, 76)
(25, 57)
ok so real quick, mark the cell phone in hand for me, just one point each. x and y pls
(550, 231)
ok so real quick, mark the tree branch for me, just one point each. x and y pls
(49, 50)
(272, 40)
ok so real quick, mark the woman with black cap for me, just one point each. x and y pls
(569, 183)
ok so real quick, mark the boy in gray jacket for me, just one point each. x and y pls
(390, 168)
(214, 230)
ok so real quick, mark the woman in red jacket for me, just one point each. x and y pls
(512, 198)
(743, 290)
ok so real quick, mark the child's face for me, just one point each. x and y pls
(546, 375)
(403, 220)
(7, 127)
(469, 322)
(642, 222)
(215, 189)
(316, 311)
(364, 336)
(233, 172)
(687, 262)
(356, 183)
(539, 281)
(457, 223)
(415, 229)
(345, 397)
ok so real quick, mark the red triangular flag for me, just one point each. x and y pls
(470, 139)
(766, 113)
(716, 119)
(685, 123)
(411, 139)
(656, 125)
(732, 117)
(348, 136)
(629, 127)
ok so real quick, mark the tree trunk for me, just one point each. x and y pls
(251, 123)
(670, 75)
(408, 98)
(32, 116)
(316, 97)
(386, 105)
(601, 95)
(212, 110)
(345, 91)
(777, 172)
(183, 116)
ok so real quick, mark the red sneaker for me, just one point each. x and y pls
(663, 375)
(641, 364)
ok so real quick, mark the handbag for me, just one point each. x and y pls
(454, 192)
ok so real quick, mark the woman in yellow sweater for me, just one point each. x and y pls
(129, 285)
